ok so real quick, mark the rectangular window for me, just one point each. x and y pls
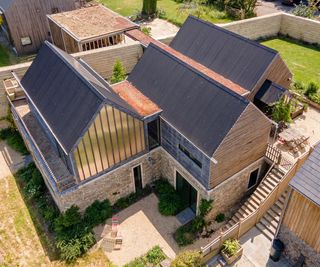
(153, 134)
(253, 178)
(26, 41)
(190, 156)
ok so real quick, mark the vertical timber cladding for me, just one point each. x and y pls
(302, 217)
(114, 136)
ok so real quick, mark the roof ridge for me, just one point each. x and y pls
(211, 80)
(61, 56)
(234, 34)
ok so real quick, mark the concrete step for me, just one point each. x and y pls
(270, 221)
(256, 200)
(262, 192)
(251, 206)
(271, 218)
(265, 231)
(245, 210)
(271, 181)
(276, 209)
(270, 227)
(268, 185)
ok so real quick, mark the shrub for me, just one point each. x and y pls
(155, 255)
(205, 207)
(230, 247)
(281, 111)
(65, 224)
(73, 248)
(170, 204)
(185, 235)
(14, 140)
(305, 11)
(25, 173)
(118, 73)
(187, 259)
(146, 30)
(198, 223)
(139, 262)
(311, 90)
(149, 7)
(298, 86)
(97, 213)
(220, 218)
(162, 186)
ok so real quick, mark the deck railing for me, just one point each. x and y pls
(245, 224)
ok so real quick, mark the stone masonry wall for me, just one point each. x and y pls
(114, 184)
(294, 247)
(230, 192)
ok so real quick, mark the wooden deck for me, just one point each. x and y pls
(61, 174)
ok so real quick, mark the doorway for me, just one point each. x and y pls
(137, 175)
(187, 192)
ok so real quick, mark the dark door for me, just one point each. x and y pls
(153, 134)
(186, 192)
(137, 178)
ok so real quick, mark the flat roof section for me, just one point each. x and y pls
(91, 22)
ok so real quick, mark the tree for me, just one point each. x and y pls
(245, 6)
(306, 11)
(281, 111)
(118, 73)
(149, 7)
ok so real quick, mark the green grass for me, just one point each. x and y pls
(170, 7)
(14, 140)
(4, 57)
(302, 59)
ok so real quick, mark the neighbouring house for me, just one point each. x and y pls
(24, 23)
(300, 224)
(172, 117)
(88, 28)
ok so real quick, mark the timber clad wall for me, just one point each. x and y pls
(28, 19)
(245, 143)
(170, 140)
(302, 217)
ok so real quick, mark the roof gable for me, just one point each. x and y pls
(200, 108)
(66, 94)
(237, 58)
(307, 179)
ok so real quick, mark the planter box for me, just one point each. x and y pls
(233, 258)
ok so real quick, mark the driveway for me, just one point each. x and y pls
(269, 7)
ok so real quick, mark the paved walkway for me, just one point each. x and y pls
(269, 7)
(142, 228)
(256, 251)
(161, 28)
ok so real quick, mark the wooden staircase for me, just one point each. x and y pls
(271, 180)
(269, 222)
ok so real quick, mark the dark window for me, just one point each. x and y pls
(190, 156)
(137, 178)
(253, 178)
(153, 134)
(187, 193)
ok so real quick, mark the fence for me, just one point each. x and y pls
(245, 224)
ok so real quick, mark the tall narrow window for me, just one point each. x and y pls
(253, 178)
(153, 134)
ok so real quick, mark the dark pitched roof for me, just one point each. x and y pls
(66, 93)
(237, 58)
(200, 108)
(5, 4)
(270, 92)
(307, 179)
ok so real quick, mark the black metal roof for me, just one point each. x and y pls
(5, 4)
(233, 56)
(307, 179)
(270, 92)
(200, 108)
(66, 93)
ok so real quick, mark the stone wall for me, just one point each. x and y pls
(114, 184)
(294, 247)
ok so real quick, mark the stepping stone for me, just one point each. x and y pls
(185, 216)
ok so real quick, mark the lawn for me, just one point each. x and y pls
(303, 60)
(4, 57)
(170, 8)
(23, 239)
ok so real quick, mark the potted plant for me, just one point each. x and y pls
(231, 250)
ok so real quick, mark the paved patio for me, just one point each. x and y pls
(142, 228)
(161, 28)
(256, 251)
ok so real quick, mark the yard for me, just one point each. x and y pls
(303, 60)
(170, 9)
(7, 58)
(23, 237)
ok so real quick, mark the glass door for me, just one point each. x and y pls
(186, 192)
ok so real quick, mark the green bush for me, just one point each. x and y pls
(198, 223)
(25, 173)
(97, 213)
(155, 255)
(230, 247)
(281, 111)
(311, 90)
(205, 207)
(118, 73)
(146, 30)
(187, 259)
(73, 248)
(162, 186)
(185, 235)
(139, 262)
(298, 86)
(14, 140)
(149, 7)
(67, 224)
(220, 218)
